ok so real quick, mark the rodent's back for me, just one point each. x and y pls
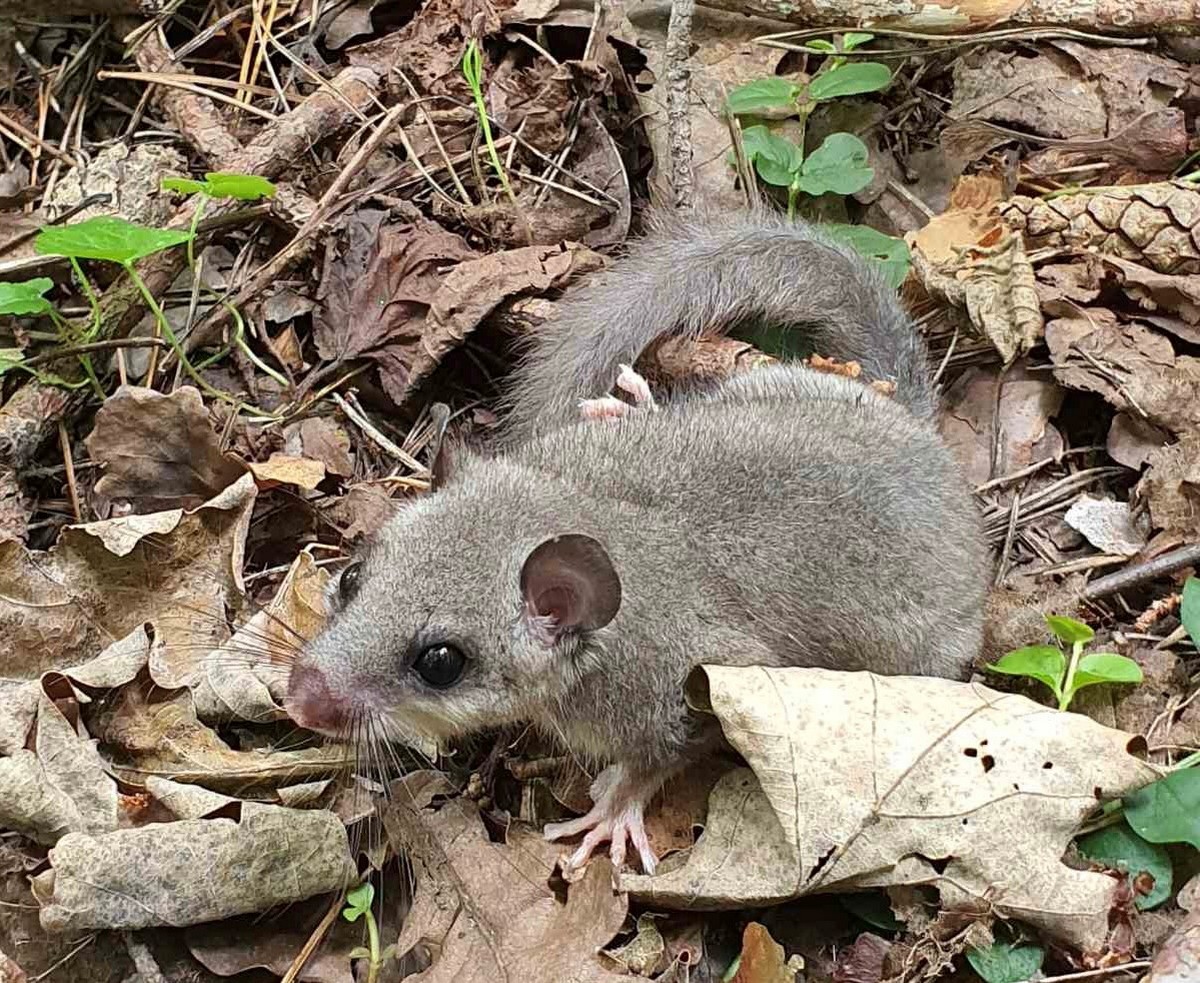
(816, 515)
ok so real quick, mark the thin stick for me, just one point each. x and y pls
(1185, 556)
(95, 346)
(679, 121)
(69, 465)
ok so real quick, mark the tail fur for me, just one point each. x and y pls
(697, 272)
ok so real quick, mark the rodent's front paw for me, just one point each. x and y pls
(616, 817)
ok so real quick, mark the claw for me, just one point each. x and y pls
(604, 408)
(637, 387)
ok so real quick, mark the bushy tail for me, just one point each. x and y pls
(703, 272)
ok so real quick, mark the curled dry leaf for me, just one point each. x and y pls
(377, 254)
(157, 874)
(1131, 440)
(157, 451)
(1156, 225)
(321, 439)
(57, 783)
(177, 574)
(468, 889)
(470, 292)
(1170, 489)
(855, 779)
(1133, 367)
(14, 509)
(966, 257)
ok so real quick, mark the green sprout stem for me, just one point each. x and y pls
(197, 213)
(472, 68)
(176, 347)
(1068, 683)
(373, 942)
(67, 335)
(94, 301)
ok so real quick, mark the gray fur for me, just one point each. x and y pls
(786, 518)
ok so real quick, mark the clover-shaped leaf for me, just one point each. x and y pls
(850, 79)
(838, 165)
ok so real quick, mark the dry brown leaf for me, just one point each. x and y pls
(1132, 367)
(75, 598)
(469, 293)
(14, 510)
(287, 469)
(238, 945)
(1178, 960)
(159, 451)
(1170, 489)
(855, 778)
(1041, 93)
(1131, 440)
(320, 439)
(862, 962)
(362, 511)
(643, 954)
(467, 890)
(1027, 403)
(156, 874)
(382, 271)
(1157, 291)
(762, 958)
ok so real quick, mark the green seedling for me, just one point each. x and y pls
(26, 299)
(840, 164)
(358, 905)
(216, 185)
(1007, 961)
(472, 69)
(106, 237)
(890, 255)
(1050, 665)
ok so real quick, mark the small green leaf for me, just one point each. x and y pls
(820, 46)
(25, 297)
(1004, 962)
(10, 358)
(855, 39)
(1044, 663)
(360, 952)
(244, 187)
(873, 908)
(184, 185)
(362, 896)
(889, 253)
(1168, 810)
(1189, 610)
(838, 165)
(850, 79)
(1069, 630)
(352, 914)
(1122, 849)
(766, 93)
(775, 159)
(107, 237)
(1106, 667)
(388, 952)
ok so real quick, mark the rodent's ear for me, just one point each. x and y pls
(568, 583)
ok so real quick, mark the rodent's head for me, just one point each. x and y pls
(467, 611)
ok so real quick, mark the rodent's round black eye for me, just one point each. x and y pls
(348, 584)
(440, 665)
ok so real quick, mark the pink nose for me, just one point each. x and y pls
(311, 703)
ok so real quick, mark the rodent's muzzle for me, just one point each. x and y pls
(311, 703)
